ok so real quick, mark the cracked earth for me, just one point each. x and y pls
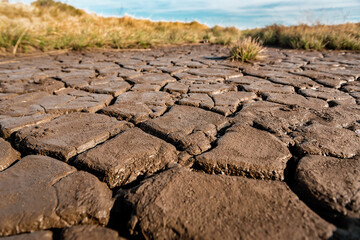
(180, 143)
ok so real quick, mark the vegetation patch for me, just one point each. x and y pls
(49, 25)
(318, 37)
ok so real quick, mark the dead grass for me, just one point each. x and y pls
(318, 37)
(49, 25)
(246, 49)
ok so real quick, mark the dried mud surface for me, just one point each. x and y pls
(180, 143)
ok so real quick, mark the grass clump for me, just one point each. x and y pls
(246, 49)
(318, 37)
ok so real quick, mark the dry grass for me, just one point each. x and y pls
(49, 25)
(319, 36)
(246, 49)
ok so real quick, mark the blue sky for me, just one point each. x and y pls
(242, 14)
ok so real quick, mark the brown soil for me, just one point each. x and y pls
(180, 143)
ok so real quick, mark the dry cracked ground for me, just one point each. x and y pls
(180, 143)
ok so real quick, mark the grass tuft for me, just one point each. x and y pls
(246, 49)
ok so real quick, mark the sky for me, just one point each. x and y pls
(249, 14)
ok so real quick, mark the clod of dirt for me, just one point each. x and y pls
(128, 155)
(332, 184)
(182, 204)
(246, 151)
(40, 193)
(8, 155)
(68, 135)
